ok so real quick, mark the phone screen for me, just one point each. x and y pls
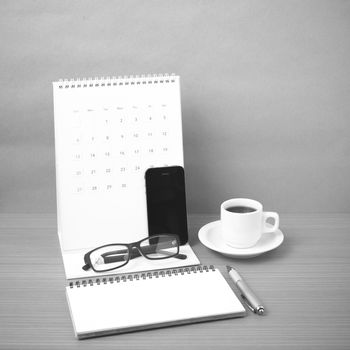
(166, 202)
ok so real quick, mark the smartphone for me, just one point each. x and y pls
(166, 202)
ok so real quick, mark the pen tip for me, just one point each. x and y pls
(228, 268)
(261, 311)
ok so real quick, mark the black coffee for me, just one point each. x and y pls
(240, 209)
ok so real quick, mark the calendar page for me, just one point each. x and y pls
(108, 132)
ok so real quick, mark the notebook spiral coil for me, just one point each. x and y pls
(139, 276)
(116, 81)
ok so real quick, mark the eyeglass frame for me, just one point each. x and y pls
(129, 247)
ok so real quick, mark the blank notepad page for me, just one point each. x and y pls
(144, 302)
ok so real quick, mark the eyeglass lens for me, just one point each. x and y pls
(159, 247)
(110, 257)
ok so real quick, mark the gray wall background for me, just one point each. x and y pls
(265, 93)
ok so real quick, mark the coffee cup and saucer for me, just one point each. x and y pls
(243, 230)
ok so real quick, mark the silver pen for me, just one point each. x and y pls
(251, 300)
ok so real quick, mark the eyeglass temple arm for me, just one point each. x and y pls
(134, 254)
(147, 249)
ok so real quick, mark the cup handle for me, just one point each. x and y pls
(275, 216)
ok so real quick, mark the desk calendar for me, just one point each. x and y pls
(108, 132)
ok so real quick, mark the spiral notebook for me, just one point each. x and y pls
(132, 302)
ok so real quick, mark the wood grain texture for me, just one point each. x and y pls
(305, 285)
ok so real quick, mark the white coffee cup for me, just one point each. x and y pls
(245, 222)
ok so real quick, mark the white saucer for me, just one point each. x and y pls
(210, 236)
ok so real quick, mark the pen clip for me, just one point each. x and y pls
(247, 303)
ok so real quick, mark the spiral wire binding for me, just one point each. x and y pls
(143, 275)
(116, 81)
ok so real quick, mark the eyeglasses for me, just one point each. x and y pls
(112, 256)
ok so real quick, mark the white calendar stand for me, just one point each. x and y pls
(108, 132)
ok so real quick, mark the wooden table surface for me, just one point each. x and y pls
(304, 284)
